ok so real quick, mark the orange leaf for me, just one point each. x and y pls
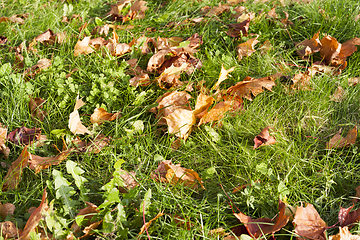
(222, 77)
(337, 141)
(344, 234)
(309, 47)
(247, 48)
(180, 122)
(308, 223)
(216, 113)
(100, 116)
(75, 125)
(14, 173)
(35, 217)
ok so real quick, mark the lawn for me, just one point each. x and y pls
(99, 167)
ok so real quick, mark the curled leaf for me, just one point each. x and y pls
(337, 141)
(264, 138)
(100, 116)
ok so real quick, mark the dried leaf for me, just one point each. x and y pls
(308, 223)
(247, 48)
(147, 224)
(203, 102)
(4, 149)
(6, 209)
(75, 125)
(89, 230)
(222, 77)
(216, 113)
(339, 95)
(218, 10)
(35, 217)
(339, 142)
(251, 86)
(157, 60)
(354, 81)
(129, 180)
(83, 47)
(137, 11)
(171, 77)
(309, 47)
(357, 196)
(3, 40)
(39, 163)
(264, 138)
(8, 230)
(348, 218)
(174, 174)
(35, 106)
(100, 116)
(40, 65)
(47, 37)
(89, 212)
(95, 146)
(24, 135)
(142, 80)
(239, 29)
(180, 122)
(344, 234)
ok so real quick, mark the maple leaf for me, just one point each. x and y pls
(247, 48)
(147, 224)
(24, 135)
(157, 60)
(5, 150)
(17, 18)
(8, 230)
(145, 44)
(174, 174)
(35, 106)
(262, 226)
(252, 86)
(180, 122)
(264, 138)
(117, 49)
(353, 81)
(169, 102)
(171, 76)
(308, 47)
(203, 102)
(344, 234)
(137, 11)
(39, 163)
(88, 45)
(222, 77)
(75, 125)
(348, 217)
(100, 116)
(308, 223)
(6, 209)
(339, 142)
(216, 113)
(35, 217)
(238, 29)
(40, 65)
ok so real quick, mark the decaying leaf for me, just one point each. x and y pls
(3, 135)
(180, 122)
(222, 77)
(308, 47)
(137, 11)
(169, 102)
(100, 115)
(147, 224)
(170, 77)
(6, 209)
(17, 18)
(264, 138)
(337, 141)
(90, 212)
(35, 106)
(174, 174)
(263, 226)
(24, 135)
(252, 86)
(88, 45)
(93, 146)
(344, 234)
(338, 95)
(129, 181)
(75, 125)
(247, 48)
(39, 163)
(40, 65)
(35, 217)
(216, 113)
(239, 29)
(348, 218)
(308, 223)
(8, 230)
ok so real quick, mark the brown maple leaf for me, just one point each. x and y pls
(337, 141)
(93, 146)
(100, 115)
(137, 11)
(39, 163)
(222, 77)
(170, 77)
(247, 48)
(339, 95)
(88, 45)
(308, 47)
(308, 223)
(3, 40)
(180, 122)
(24, 135)
(35, 106)
(216, 113)
(238, 29)
(129, 181)
(264, 138)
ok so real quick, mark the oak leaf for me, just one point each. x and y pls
(75, 125)
(264, 138)
(308, 223)
(337, 141)
(35, 217)
(344, 234)
(100, 115)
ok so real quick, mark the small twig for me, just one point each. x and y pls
(332, 225)
(145, 221)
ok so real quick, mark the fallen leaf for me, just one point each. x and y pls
(3, 40)
(87, 45)
(8, 230)
(157, 60)
(92, 146)
(47, 37)
(180, 122)
(308, 47)
(347, 217)
(251, 86)
(357, 196)
(234, 2)
(337, 141)
(24, 135)
(264, 138)
(216, 113)
(17, 18)
(247, 48)
(222, 77)
(100, 116)
(147, 224)
(3, 135)
(354, 81)
(203, 102)
(344, 234)
(40, 65)
(137, 11)
(142, 80)
(263, 226)
(339, 95)
(129, 181)
(35, 218)
(75, 125)
(169, 102)
(265, 47)
(6, 209)
(115, 10)
(170, 77)
(174, 174)
(240, 29)
(38, 163)
(35, 106)
(308, 223)
(89, 230)
(218, 10)
(89, 212)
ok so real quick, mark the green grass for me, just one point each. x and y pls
(302, 121)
